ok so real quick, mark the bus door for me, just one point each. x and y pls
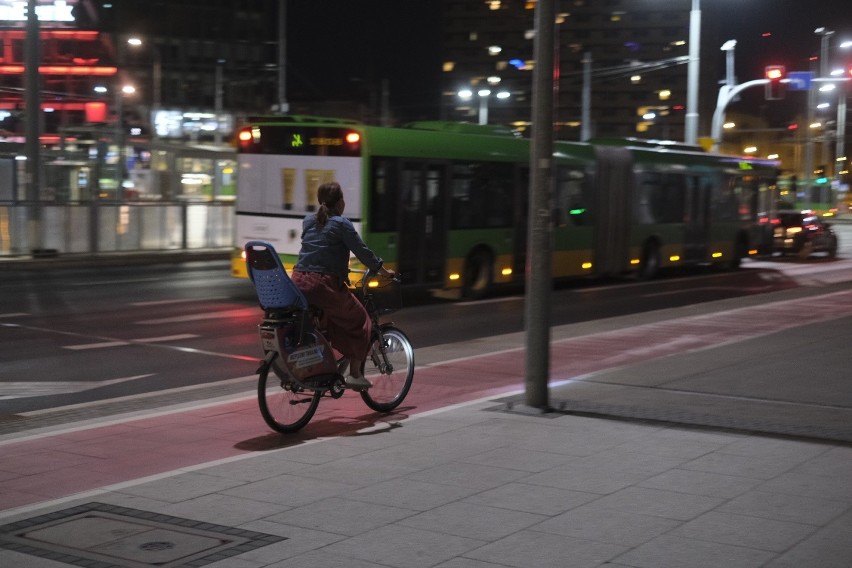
(422, 229)
(696, 219)
(613, 209)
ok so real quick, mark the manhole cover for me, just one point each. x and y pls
(106, 536)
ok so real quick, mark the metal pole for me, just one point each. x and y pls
(691, 119)
(483, 109)
(283, 105)
(539, 277)
(157, 99)
(730, 76)
(586, 113)
(120, 166)
(32, 94)
(219, 96)
(840, 145)
(809, 145)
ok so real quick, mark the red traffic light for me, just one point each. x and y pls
(775, 72)
(774, 87)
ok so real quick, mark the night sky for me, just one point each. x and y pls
(342, 47)
(337, 48)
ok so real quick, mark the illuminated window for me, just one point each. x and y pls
(494, 4)
(665, 94)
(449, 66)
(636, 79)
(494, 50)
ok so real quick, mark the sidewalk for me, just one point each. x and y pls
(727, 443)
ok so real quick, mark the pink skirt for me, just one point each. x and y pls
(347, 323)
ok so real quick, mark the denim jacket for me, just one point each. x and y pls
(326, 249)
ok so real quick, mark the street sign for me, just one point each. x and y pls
(799, 80)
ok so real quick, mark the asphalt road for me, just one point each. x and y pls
(78, 336)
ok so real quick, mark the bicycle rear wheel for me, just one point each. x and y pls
(390, 383)
(285, 406)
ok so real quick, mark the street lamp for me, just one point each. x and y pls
(484, 95)
(691, 119)
(156, 82)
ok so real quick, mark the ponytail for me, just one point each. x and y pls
(328, 195)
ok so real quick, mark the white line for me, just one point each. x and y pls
(490, 301)
(243, 312)
(177, 301)
(95, 345)
(165, 338)
(28, 389)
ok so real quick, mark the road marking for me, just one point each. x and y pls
(176, 301)
(165, 338)
(239, 313)
(14, 315)
(119, 343)
(101, 345)
(28, 389)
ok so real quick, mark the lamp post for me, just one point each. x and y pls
(156, 82)
(692, 73)
(484, 95)
(840, 146)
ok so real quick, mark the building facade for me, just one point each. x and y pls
(634, 54)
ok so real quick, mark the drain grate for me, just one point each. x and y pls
(97, 535)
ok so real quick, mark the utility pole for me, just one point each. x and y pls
(32, 94)
(586, 112)
(539, 277)
(218, 99)
(283, 105)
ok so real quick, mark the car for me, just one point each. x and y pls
(803, 233)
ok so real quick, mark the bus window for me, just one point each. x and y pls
(570, 205)
(660, 198)
(481, 196)
(383, 200)
(726, 199)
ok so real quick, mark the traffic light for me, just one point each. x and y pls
(775, 89)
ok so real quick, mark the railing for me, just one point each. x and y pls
(98, 227)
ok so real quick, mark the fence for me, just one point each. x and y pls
(97, 227)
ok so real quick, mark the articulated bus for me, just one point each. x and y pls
(446, 204)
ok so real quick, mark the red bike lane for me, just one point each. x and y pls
(61, 463)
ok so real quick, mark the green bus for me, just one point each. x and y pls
(446, 204)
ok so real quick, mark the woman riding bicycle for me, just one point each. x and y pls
(322, 274)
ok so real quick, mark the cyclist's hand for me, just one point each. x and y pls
(387, 273)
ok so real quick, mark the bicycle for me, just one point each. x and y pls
(300, 367)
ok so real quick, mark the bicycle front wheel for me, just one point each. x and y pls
(391, 373)
(285, 406)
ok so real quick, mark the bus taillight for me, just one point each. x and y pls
(245, 135)
(353, 137)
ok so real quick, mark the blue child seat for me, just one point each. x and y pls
(275, 290)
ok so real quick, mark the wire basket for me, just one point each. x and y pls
(385, 294)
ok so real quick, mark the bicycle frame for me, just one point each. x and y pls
(295, 348)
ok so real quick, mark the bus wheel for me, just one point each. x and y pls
(650, 261)
(478, 275)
